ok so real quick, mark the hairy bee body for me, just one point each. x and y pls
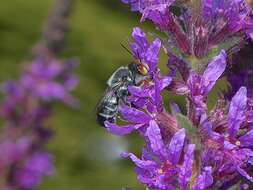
(117, 92)
(108, 108)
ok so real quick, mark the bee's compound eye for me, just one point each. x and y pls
(143, 69)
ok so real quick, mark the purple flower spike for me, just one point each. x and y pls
(204, 148)
(143, 51)
(237, 111)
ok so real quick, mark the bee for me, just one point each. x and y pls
(117, 90)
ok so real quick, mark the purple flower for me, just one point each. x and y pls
(198, 29)
(204, 180)
(229, 150)
(143, 51)
(234, 16)
(202, 149)
(158, 166)
(25, 109)
(237, 111)
(50, 80)
(200, 85)
(149, 7)
(13, 151)
(38, 166)
(187, 167)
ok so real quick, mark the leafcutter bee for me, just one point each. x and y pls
(117, 90)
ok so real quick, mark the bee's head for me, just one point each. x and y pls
(139, 68)
(143, 69)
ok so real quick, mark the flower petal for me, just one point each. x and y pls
(244, 174)
(204, 180)
(137, 91)
(237, 111)
(155, 139)
(144, 164)
(174, 109)
(121, 130)
(176, 146)
(134, 115)
(140, 44)
(186, 169)
(164, 82)
(152, 55)
(214, 70)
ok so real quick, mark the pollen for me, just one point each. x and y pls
(237, 143)
(160, 171)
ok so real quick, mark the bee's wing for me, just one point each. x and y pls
(114, 83)
(116, 78)
(106, 95)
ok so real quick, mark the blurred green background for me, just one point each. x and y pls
(86, 156)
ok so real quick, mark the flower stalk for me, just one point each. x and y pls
(208, 148)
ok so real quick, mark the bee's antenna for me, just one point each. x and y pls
(138, 55)
(122, 45)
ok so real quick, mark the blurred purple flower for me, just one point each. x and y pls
(13, 151)
(25, 110)
(50, 80)
(37, 166)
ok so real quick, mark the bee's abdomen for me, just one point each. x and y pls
(108, 111)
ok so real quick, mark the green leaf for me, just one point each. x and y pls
(184, 122)
(191, 131)
(234, 187)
